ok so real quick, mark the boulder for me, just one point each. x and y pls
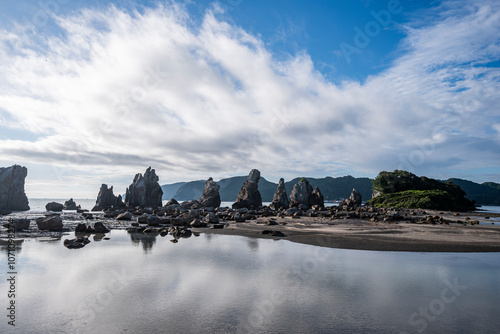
(18, 224)
(144, 190)
(12, 195)
(280, 198)
(153, 220)
(70, 205)
(54, 206)
(316, 198)
(210, 196)
(50, 223)
(76, 243)
(249, 195)
(300, 194)
(100, 228)
(81, 228)
(125, 216)
(106, 199)
(172, 201)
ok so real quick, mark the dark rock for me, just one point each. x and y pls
(144, 190)
(81, 228)
(70, 205)
(125, 216)
(76, 243)
(153, 221)
(87, 215)
(12, 195)
(100, 228)
(106, 199)
(54, 206)
(192, 204)
(301, 194)
(212, 218)
(5, 211)
(249, 195)
(172, 201)
(210, 196)
(81, 210)
(316, 198)
(18, 224)
(217, 226)
(280, 198)
(50, 223)
(356, 197)
(273, 233)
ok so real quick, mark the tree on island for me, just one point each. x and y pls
(404, 189)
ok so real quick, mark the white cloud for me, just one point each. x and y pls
(136, 89)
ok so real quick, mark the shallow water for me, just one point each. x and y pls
(228, 284)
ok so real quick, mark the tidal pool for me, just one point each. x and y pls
(228, 284)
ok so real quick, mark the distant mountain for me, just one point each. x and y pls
(169, 190)
(487, 193)
(331, 188)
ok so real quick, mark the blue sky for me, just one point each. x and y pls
(94, 92)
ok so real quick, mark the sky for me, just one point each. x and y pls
(94, 92)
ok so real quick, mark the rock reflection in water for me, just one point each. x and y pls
(147, 240)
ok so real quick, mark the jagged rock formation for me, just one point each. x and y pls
(356, 197)
(144, 190)
(12, 195)
(249, 195)
(316, 198)
(280, 198)
(300, 194)
(210, 197)
(106, 199)
(70, 205)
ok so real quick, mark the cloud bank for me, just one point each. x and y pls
(122, 90)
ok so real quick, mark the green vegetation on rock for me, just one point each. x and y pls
(406, 190)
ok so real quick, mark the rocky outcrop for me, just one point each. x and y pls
(316, 198)
(12, 195)
(70, 205)
(249, 195)
(280, 198)
(144, 190)
(50, 223)
(210, 197)
(76, 243)
(355, 197)
(18, 224)
(106, 199)
(54, 206)
(300, 194)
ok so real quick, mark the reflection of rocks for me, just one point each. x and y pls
(70, 205)
(179, 232)
(54, 206)
(50, 223)
(273, 233)
(249, 195)
(12, 195)
(76, 243)
(145, 190)
(210, 196)
(146, 239)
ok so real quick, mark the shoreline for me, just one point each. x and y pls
(403, 235)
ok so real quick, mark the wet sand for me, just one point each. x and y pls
(379, 236)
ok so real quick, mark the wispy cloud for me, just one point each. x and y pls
(133, 89)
